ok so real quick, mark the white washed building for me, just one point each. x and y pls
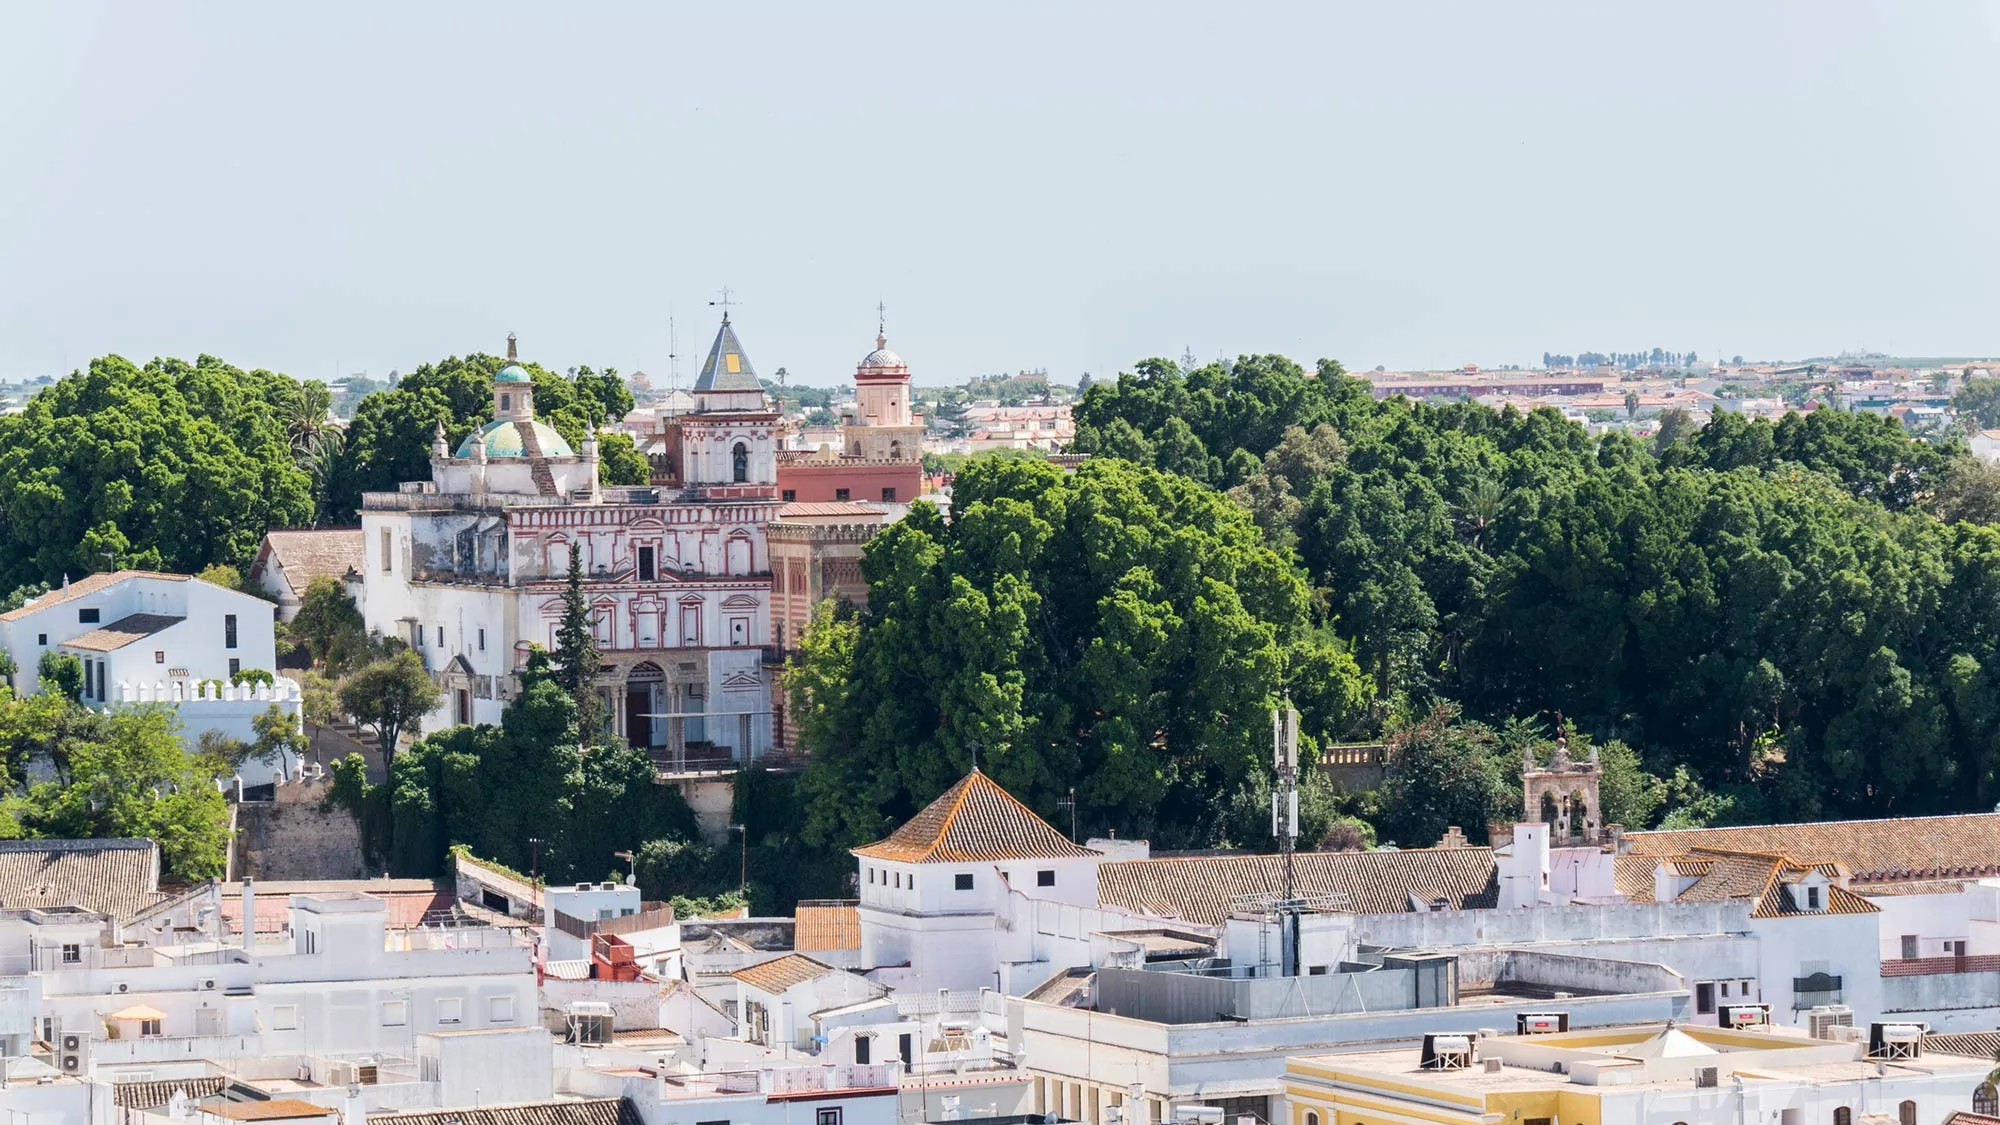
(146, 637)
(470, 566)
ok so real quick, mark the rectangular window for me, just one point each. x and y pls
(159, 656)
(451, 1009)
(840, 494)
(228, 630)
(87, 616)
(862, 1043)
(888, 496)
(646, 571)
(962, 881)
(72, 953)
(789, 495)
(388, 545)
(285, 1017)
(482, 640)
(827, 1115)
(1045, 878)
(440, 636)
(1812, 898)
(871, 876)
(395, 1013)
(1704, 997)
(42, 639)
(149, 1029)
(1909, 947)
(235, 666)
(500, 1009)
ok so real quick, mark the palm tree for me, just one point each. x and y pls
(1480, 507)
(308, 415)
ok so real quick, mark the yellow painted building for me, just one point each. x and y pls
(1656, 1074)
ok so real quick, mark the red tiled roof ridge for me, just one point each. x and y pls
(1008, 831)
(87, 585)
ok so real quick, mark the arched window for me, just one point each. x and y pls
(1548, 807)
(506, 403)
(742, 457)
(896, 454)
(1906, 1113)
(1312, 1119)
(1985, 1099)
(1843, 1116)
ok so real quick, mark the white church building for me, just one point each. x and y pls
(470, 566)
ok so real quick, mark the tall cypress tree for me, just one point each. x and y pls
(576, 660)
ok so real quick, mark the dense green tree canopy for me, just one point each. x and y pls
(1119, 630)
(1770, 607)
(170, 466)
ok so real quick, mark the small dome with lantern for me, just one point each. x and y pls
(509, 437)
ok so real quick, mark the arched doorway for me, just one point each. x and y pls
(642, 702)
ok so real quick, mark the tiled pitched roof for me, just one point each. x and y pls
(156, 1092)
(306, 555)
(778, 975)
(1201, 889)
(122, 632)
(583, 1111)
(974, 821)
(405, 902)
(115, 877)
(275, 1109)
(1875, 851)
(1895, 890)
(84, 587)
(831, 925)
(727, 367)
(1720, 876)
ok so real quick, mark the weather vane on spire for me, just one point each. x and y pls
(881, 325)
(726, 303)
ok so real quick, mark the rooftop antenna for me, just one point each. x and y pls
(673, 359)
(1285, 798)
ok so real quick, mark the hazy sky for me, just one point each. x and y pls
(321, 188)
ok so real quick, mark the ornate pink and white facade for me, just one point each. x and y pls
(470, 566)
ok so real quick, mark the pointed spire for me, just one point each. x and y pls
(881, 325)
(512, 355)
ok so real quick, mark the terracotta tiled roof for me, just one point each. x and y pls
(156, 1092)
(122, 632)
(1972, 1044)
(306, 555)
(974, 821)
(583, 1111)
(1876, 851)
(405, 902)
(1756, 877)
(778, 975)
(276, 1109)
(84, 587)
(833, 925)
(115, 877)
(806, 509)
(1962, 1117)
(1893, 890)
(1201, 889)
